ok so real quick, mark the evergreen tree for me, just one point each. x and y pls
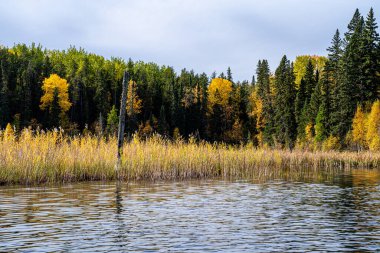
(163, 127)
(303, 113)
(310, 81)
(229, 74)
(4, 93)
(370, 62)
(285, 125)
(253, 82)
(348, 90)
(324, 112)
(321, 121)
(300, 102)
(315, 102)
(263, 89)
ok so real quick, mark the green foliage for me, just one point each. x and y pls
(370, 63)
(321, 131)
(264, 94)
(313, 100)
(285, 124)
(112, 121)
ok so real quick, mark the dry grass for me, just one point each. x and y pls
(51, 157)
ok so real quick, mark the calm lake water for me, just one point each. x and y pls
(318, 212)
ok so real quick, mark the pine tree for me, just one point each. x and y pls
(263, 91)
(229, 74)
(300, 103)
(315, 102)
(370, 66)
(332, 72)
(352, 62)
(335, 51)
(4, 100)
(304, 100)
(309, 79)
(253, 82)
(163, 127)
(348, 90)
(285, 125)
(321, 132)
(323, 122)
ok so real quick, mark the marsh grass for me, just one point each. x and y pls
(53, 158)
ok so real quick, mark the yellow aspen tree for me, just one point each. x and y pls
(331, 143)
(373, 130)
(309, 132)
(300, 64)
(219, 92)
(257, 114)
(134, 103)
(9, 133)
(359, 128)
(52, 85)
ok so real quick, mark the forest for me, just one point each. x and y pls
(316, 102)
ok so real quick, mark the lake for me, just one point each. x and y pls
(337, 211)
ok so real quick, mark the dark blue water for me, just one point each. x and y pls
(339, 212)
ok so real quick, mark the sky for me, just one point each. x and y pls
(203, 35)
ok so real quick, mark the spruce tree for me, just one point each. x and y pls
(370, 65)
(229, 74)
(309, 79)
(264, 94)
(322, 121)
(300, 101)
(303, 100)
(285, 125)
(315, 102)
(4, 93)
(335, 51)
(348, 90)
(163, 127)
(253, 82)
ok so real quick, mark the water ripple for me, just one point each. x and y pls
(340, 214)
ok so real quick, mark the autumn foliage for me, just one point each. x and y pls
(55, 84)
(219, 92)
(366, 128)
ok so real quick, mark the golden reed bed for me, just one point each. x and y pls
(51, 157)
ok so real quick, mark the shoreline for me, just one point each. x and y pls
(52, 158)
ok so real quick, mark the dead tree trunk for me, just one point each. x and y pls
(120, 133)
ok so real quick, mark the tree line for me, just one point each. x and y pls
(313, 102)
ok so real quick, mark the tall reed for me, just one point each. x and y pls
(52, 157)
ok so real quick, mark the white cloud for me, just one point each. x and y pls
(203, 35)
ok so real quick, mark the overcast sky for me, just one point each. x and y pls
(204, 35)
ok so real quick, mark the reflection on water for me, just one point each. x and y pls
(314, 212)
